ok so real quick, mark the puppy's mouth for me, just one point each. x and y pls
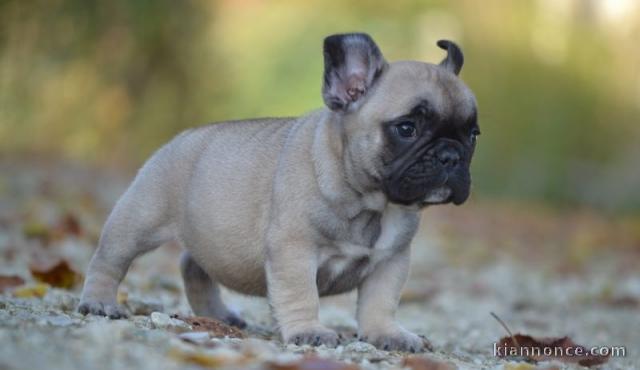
(441, 188)
(440, 195)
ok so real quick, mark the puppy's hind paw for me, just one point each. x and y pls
(314, 336)
(396, 339)
(113, 311)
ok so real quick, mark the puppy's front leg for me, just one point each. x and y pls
(293, 294)
(378, 298)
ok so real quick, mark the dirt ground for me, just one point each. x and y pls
(546, 273)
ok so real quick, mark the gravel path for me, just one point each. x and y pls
(456, 282)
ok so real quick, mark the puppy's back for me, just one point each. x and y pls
(228, 145)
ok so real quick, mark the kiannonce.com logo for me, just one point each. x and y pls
(565, 351)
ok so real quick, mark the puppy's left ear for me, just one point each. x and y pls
(352, 64)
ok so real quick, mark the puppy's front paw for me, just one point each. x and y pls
(113, 311)
(314, 335)
(395, 339)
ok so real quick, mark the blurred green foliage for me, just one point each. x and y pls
(558, 82)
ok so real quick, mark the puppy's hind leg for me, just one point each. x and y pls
(203, 293)
(137, 224)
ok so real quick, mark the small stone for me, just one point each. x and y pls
(163, 321)
(160, 320)
(60, 320)
(64, 301)
(360, 347)
(68, 302)
(196, 337)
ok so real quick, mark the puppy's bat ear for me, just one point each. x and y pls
(352, 64)
(454, 60)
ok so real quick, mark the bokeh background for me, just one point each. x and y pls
(550, 239)
(558, 82)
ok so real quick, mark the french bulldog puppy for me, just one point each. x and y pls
(298, 208)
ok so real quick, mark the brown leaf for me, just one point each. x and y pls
(312, 363)
(69, 224)
(198, 358)
(59, 275)
(214, 327)
(10, 282)
(520, 366)
(426, 363)
(547, 349)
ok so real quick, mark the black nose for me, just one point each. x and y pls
(449, 157)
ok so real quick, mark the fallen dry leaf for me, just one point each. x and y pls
(426, 363)
(37, 230)
(69, 224)
(59, 275)
(520, 366)
(199, 358)
(31, 291)
(214, 327)
(9, 282)
(547, 349)
(312, 363)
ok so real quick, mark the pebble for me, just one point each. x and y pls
(163, 321)
(62, 300)
(57, 320)
(360, 347)
(196, 337)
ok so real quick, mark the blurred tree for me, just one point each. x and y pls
(104, 80)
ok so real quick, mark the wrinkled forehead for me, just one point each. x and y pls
(405, 84)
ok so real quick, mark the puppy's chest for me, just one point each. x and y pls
(369, 239)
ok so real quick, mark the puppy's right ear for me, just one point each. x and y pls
(352, 64)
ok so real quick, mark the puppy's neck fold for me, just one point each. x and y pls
(338, 181)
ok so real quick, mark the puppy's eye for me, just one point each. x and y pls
(406, 129)
(474, 135)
